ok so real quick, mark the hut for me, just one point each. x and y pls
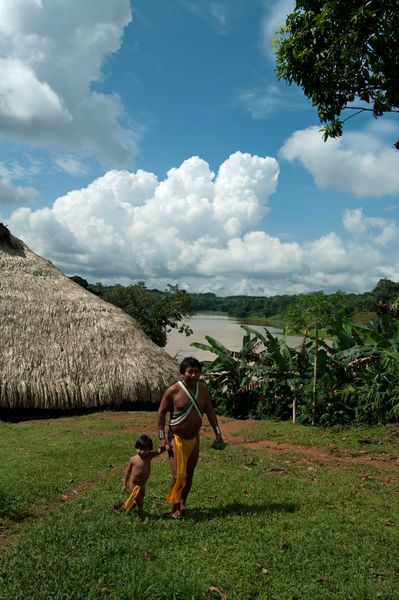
(64, 349)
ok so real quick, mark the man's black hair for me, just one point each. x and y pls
(144, 442)
(190, 361)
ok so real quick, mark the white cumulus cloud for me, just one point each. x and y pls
(130, 225)
(50, 55)
(202, 230)
(344, 163)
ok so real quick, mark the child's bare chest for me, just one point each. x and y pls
(141, 470)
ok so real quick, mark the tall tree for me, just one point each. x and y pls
(339, 51)
(157, 312)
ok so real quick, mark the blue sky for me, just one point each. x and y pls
(150, 140)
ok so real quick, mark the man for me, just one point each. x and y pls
(187, 400)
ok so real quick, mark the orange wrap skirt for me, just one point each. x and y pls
(184, 449)
(131, 501)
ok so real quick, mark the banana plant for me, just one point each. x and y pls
(230, 373)
(372, 368)
(265, 370)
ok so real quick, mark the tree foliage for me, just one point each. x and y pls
(157, 312)
(339, 51)
(80, 281)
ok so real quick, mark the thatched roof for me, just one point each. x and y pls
(63, 348)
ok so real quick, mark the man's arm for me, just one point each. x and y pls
(212, 418)
(164, 407)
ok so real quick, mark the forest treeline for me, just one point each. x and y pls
(243, 307)
(159, 311)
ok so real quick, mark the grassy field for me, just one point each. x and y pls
(263, 524)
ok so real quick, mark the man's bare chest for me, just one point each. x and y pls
(182, 401)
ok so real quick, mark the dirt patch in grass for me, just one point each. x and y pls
(315, 453)
(230, 426)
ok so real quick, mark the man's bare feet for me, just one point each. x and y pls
(176, 514)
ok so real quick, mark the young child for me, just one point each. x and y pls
(137, 473)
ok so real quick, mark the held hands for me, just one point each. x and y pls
(164, 445)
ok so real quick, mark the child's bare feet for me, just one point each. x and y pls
(176, 514)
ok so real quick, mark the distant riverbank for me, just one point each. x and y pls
(224, 329)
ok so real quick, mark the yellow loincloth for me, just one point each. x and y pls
(184, 448)
(131, 501)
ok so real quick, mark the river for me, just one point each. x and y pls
(221, 328)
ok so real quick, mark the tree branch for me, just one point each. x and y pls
(362, 109)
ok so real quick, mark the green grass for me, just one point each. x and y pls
(261, 526)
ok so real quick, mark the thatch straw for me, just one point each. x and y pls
(63, 348)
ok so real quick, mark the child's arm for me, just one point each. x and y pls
(127, 474)
(156, 453)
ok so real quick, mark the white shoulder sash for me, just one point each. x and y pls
(193, 398)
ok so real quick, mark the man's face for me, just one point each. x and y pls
(191, 376)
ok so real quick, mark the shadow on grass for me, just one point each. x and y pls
(236, 508)
(10, 508)
(14, 516)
